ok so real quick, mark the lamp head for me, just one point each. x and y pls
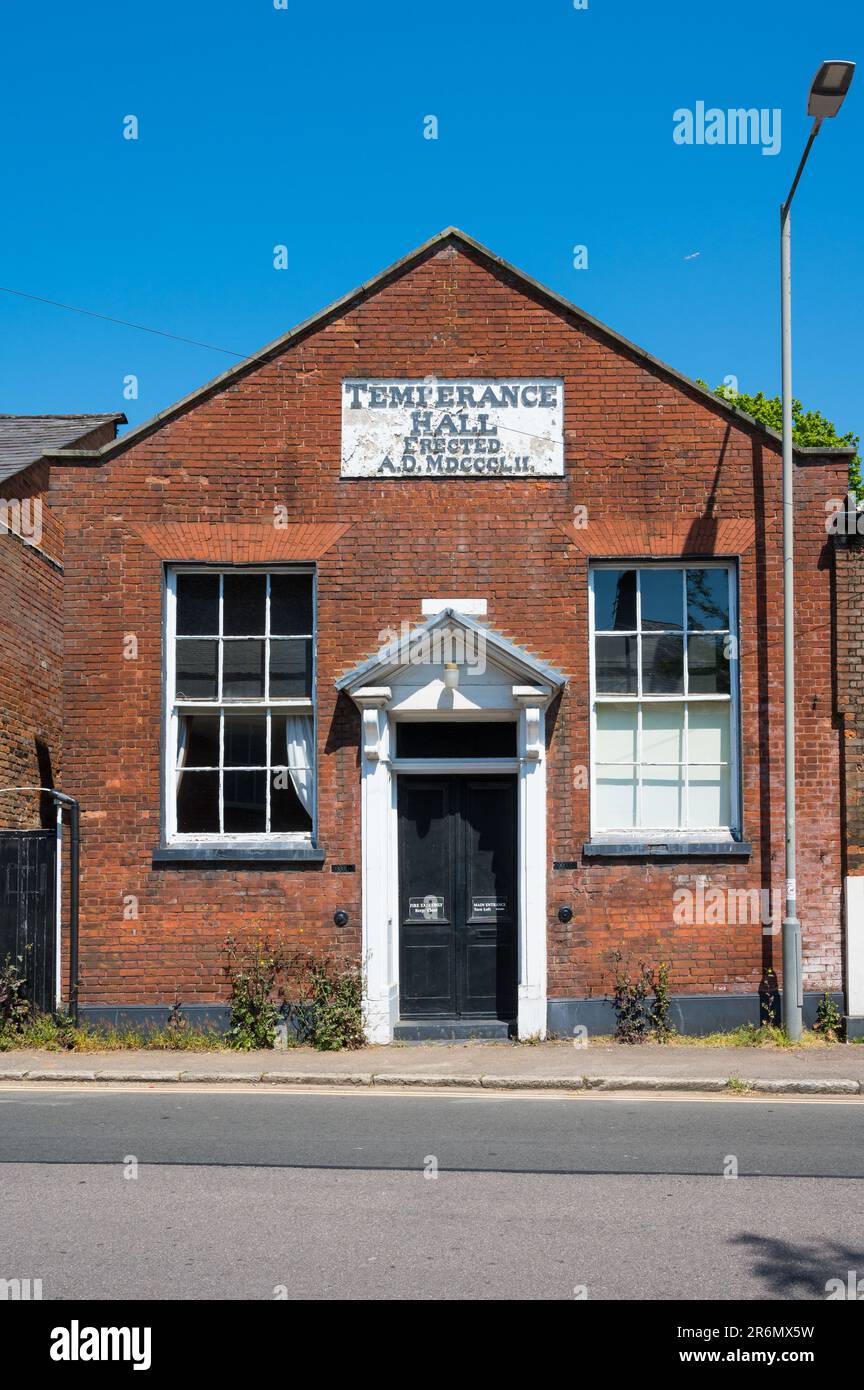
(829, 87)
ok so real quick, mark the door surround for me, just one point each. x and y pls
(389, 687)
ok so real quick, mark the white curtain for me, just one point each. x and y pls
(182, 746)
(301, 760)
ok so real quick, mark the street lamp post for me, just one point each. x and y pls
(827, 91)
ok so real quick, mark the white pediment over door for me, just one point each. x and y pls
(494, 675)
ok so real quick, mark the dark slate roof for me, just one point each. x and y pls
(24, 438)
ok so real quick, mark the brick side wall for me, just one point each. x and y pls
(31, 588)
(638, 446)
(31, 642)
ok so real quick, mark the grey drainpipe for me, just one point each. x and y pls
(74, 858)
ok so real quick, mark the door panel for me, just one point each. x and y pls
(489, 857)
(426, 938)
(457, 897)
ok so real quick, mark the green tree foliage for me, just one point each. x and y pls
(810, 429)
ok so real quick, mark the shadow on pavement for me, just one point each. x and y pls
(803, 1271)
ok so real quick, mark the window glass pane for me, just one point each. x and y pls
(708, 733)
(196, 670)
(616, 798)
(708, 598)
(290, 603)
(199, 741)
(662, 733)
(614, 600)
(662, 599)
(661, 797)
(662, 664)
(449, 740)
(243, 669)
(197, 803)
(707, 665)
(245, 802)
(286, 811)
(708, 797)
(291, 668)
(243, 605)
(616, 665)
(616, 734)
(301, 732)
(246, 740)
(197, 605)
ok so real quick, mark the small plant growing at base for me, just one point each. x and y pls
(739, 1086)
(829, 1020)
(629, 1002)
(15, 1007)
(253, 970)
(637, 1019)
(327, 1007)
(661, 1027)
(177, 1026)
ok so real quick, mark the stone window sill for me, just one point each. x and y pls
(667, 849)
(238, 854)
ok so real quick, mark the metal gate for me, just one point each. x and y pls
(28, 910)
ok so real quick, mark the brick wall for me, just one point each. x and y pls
(639, 448)
(31, 588)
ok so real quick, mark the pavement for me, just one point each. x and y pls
(836, 1069)
(269, 1193)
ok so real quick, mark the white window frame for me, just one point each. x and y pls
(174, 708)
(641, 833)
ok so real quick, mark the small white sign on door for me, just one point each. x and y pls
(429, 908)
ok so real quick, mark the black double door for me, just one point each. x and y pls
(457, 897)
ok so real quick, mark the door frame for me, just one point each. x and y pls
(380, 855)
(468, 770)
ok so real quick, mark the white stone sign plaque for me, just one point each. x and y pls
(465, 428)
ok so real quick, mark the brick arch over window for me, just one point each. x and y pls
(691, 535)
(240, 543)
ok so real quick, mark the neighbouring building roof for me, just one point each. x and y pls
(25, 438)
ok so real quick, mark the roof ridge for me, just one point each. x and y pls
(72, 415)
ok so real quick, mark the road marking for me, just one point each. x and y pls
(8, 1089)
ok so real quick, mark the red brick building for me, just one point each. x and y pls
(447, 633)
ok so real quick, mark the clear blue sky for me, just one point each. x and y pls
(304, 127)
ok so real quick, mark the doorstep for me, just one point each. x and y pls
(454, 1030)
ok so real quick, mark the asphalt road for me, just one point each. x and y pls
(327, 1196)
